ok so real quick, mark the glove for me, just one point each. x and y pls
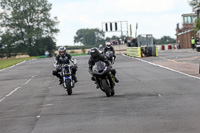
(58, 67)
(91, 72)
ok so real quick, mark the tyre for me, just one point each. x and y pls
(113, 92)
(68, 86)
(106, 88)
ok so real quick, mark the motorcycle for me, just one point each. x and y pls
(100, 51)
(68, 81)
(104, 78)
(110, 56)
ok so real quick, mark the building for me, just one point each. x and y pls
(185, 33)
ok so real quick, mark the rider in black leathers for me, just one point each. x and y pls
(64, 58)
(109, 48)
(95, 57)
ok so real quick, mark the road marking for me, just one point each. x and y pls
(47, 105)
(9, 94)
(166, 68)
(13, 91)
(29, 80)
(2, 99)
(159, 95)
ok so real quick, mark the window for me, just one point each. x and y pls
(187, 20)
(194, 19)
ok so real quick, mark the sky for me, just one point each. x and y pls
(157, 17)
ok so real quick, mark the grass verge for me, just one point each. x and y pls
(4, 63)
(77, 54)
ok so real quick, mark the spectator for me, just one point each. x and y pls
(125, 40)
(193, 42)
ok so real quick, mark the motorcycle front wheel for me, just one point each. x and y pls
(68, 86)
(106, 88)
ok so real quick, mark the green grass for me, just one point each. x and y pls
(40, 56)
(77, 54)
(4, 63)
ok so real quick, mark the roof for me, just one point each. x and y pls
(185, 32)
(189, 14)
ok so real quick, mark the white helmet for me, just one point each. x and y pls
(100, 46)
(62, 49)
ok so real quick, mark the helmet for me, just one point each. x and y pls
(94, 52)
(62, 49)
(100, 46)
(108, 45)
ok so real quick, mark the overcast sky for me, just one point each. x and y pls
(157, 17)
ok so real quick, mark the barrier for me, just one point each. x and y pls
(163, 47)
(134, 51)
(169, 46)
(158, 47)
(156, 50)
(166, 47)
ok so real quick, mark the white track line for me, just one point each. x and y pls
(13, 91)
(9, 94)
(164, 67)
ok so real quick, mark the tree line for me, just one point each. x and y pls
(95, 37)
(26, 27)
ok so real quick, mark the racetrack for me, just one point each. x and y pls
(149, 99)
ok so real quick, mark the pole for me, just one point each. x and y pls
(199, 67)
(127, 28)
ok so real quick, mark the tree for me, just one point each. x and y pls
(197, 25)
(91, 37)
(44, 44)
(164, 40)
(192, 3)
(27, 21)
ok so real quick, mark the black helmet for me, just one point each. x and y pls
(94, 52)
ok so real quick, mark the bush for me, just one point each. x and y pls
(72, 52)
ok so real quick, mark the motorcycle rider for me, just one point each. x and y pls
(109, 48)
(101, 49)
(95, 57)
(64, 58)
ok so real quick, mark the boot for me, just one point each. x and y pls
(75, 79)
(116, 80)
(61, 81)
(97, 85)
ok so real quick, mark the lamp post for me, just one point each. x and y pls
(119, 45)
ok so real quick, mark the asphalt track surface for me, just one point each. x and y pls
(149, 99)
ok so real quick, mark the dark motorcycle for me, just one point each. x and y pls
(104, 78)
(68, 81)
(110, 56)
